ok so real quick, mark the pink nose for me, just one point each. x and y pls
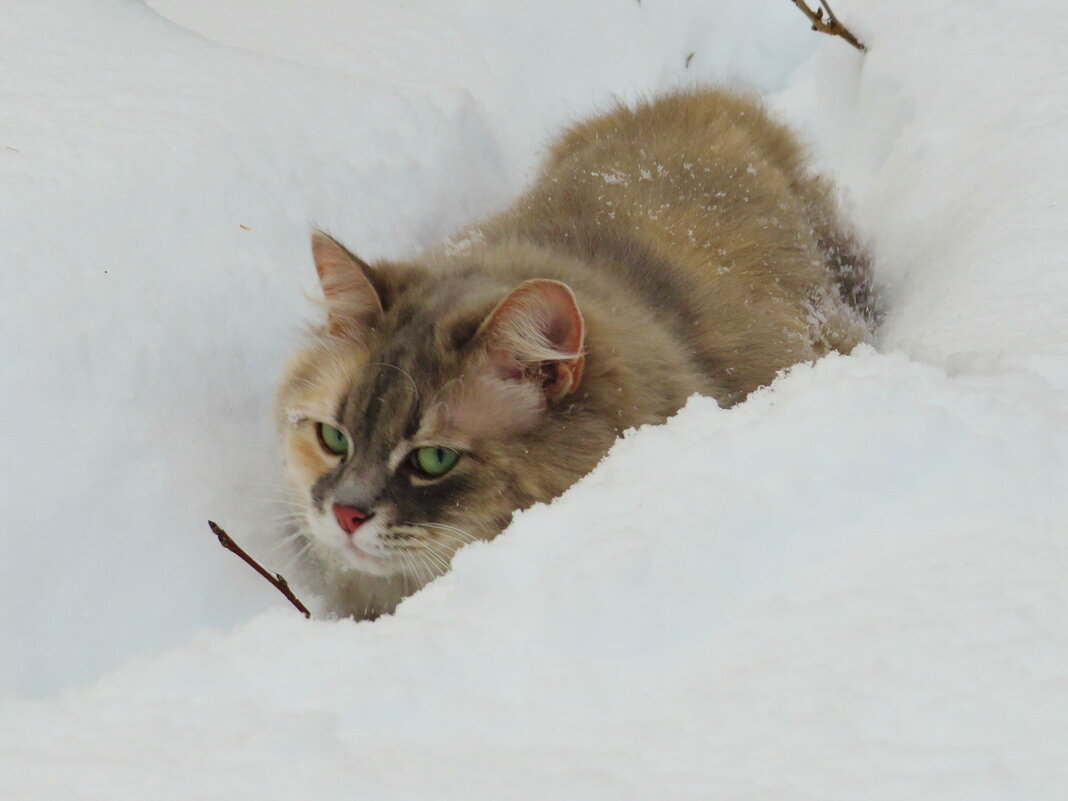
(349, 517)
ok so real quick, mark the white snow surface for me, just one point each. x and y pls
(853, 585)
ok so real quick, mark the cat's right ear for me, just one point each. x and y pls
(537, 333)
(352, 302)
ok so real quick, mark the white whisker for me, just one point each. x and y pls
(287, 540)
(443, 387)
(465, 536)
(296, 558)
(433, 563)
(415, 388)
(437, 552)
(412, 569)
(288, 517)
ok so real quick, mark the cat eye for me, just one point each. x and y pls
(434, 461)
(332, 439)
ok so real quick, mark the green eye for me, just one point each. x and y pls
(333, 439)
(434, 460)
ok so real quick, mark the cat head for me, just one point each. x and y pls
(429, 407)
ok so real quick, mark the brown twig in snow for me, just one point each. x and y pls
(279, 583)
(829, 23)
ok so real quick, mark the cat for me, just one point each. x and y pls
(677, 247)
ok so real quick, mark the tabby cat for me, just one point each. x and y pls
(676, 247)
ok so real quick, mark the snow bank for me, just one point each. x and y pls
(850, 586)
(952, 142)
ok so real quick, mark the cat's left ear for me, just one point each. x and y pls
(537, 333)
(351, 299)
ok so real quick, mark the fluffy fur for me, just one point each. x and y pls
(677, 247)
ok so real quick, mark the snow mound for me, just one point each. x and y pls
(850, 586)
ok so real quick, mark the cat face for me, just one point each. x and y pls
(426, 412)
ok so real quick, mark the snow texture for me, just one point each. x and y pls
(853, 585)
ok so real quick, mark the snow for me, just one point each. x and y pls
(850, 586)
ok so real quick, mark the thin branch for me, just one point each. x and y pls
(829, 23)
(279, 583)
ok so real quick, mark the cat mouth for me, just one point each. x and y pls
(365, 561)
(355, 549)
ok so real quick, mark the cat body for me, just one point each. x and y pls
(676, 248)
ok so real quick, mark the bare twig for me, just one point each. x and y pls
(279, 583)
(829, 23)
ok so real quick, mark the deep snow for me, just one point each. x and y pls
(850, 586)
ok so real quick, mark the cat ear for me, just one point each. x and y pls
(351, 300)
(536, 333)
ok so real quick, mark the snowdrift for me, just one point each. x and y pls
(850, 586)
